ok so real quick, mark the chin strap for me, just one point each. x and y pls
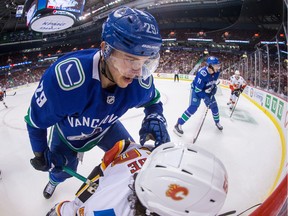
(104, 69)
(212, 68)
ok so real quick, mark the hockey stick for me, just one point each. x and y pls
(11, 94)
(80, 177)
(204, 117)
(198, 132)
(234, 106)
(227, 213)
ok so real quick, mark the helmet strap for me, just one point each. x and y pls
(105, 70)
(211, 67)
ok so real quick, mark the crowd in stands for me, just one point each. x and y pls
(186, 60)
(21, 77)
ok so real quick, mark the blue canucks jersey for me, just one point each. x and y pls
(203, 81)
(70, 97)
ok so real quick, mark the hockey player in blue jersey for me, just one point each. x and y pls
(83, 94)
(203, 87)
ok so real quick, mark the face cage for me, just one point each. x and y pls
(135, 68)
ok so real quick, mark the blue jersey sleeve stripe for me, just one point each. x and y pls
(29, 120)
(197, 90)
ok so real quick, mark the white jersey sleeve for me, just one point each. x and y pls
(70, 208)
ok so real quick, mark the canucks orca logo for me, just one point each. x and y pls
(145, 83)
(70, 74)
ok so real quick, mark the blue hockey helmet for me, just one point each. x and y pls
(132, 31)
(212, 60)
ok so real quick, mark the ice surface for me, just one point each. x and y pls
(249, 147)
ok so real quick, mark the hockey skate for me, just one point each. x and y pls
(49, 190)
(219, 126)
(231, 107)
(178, 129)
(229, 102)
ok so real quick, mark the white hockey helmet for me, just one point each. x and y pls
(237, 73)
(182, 180)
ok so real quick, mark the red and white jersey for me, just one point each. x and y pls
(237, 83)
(110, 198)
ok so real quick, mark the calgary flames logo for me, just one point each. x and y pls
(176, 192)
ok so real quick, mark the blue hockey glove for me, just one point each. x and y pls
(212, 90)
(154, 127)
(207, 100)
(46, 160)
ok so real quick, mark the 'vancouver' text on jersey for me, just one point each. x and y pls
(70, 97)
